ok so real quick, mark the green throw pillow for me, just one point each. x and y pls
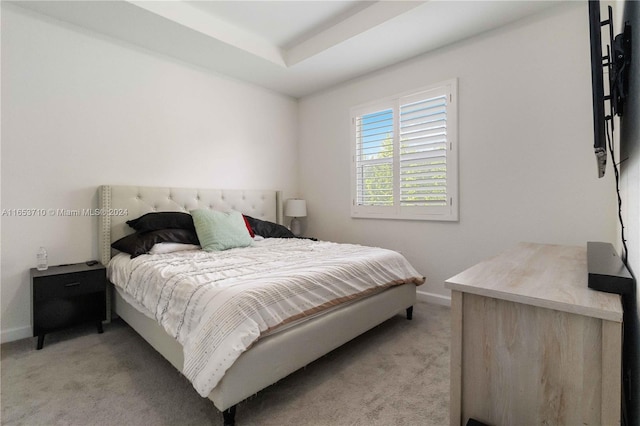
(219, 230)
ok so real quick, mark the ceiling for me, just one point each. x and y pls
(292, 47)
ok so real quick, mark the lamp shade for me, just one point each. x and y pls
(295, 208)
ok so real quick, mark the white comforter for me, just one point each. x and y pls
(218, 304)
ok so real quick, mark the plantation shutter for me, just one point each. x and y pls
(374, 158)
(404, 156)
(423, 149)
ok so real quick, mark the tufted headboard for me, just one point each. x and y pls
(118, 204)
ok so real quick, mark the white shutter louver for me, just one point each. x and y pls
(423, 151)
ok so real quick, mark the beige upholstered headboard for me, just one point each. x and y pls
(118, 204)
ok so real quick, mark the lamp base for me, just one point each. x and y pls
(296, 227)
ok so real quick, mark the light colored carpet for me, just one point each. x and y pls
(395, 374)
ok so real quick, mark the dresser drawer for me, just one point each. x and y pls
(68, 285)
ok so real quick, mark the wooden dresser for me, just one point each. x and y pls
(532, 344)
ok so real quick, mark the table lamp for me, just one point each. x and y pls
(295, 208)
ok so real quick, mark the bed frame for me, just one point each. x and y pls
(271, 358)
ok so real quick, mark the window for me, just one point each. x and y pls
(404, 162)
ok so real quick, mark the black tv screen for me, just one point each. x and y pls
(597, 87)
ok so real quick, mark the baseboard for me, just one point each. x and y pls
(434, 298)
(15, 334)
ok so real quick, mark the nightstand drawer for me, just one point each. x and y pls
(68, 285)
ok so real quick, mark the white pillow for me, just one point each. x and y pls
(162, 248)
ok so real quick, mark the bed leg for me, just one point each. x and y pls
(410, 312)
(229, 416)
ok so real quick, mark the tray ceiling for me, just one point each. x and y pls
(292, 47)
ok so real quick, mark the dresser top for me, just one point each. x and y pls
(547, 276)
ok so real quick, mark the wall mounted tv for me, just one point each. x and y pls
(617, 61)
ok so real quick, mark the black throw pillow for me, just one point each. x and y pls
(162, 220)
(268, 229)
(141, 242)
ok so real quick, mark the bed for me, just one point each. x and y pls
(269, 358)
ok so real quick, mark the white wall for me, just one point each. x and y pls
(527, 168)
(80, 110)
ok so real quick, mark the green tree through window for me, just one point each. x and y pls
(378, 177)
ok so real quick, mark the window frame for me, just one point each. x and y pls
(448, 212)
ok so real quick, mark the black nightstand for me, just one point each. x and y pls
(66, 295)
